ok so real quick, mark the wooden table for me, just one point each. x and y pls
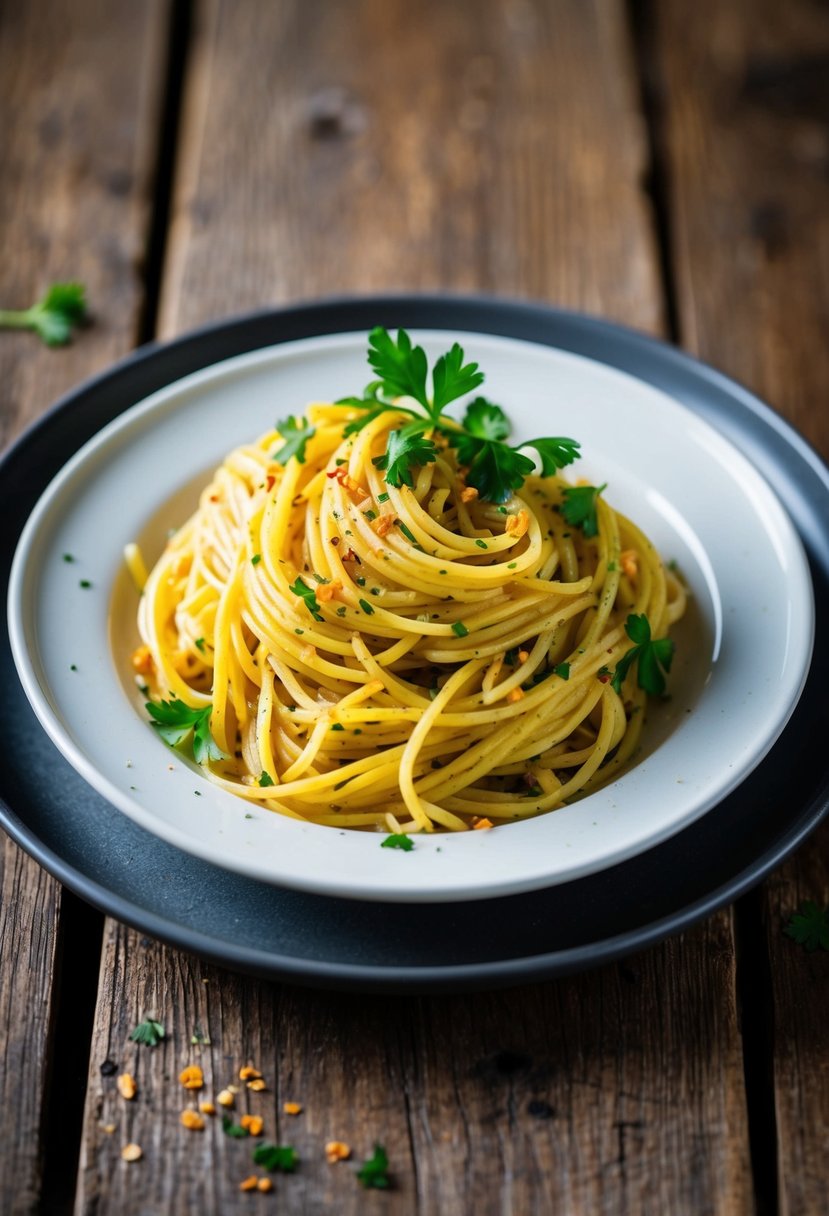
(665, 165)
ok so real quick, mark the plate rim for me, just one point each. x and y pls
(485, 308)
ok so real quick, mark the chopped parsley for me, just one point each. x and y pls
(256, 559)
(366, 607)
(407, 532)
(149, 1032)
(398, 840)
(234, 1130)
(562, 670)
(176, 722)
(309, 596)
(809, 926)
(460, 629)
(276, 1157)
(374, 1173)
(85, 583)
(199, 644)
(265, 779)
(651, 657)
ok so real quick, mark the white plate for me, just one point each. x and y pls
(743, 649)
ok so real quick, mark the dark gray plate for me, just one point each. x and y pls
(106, 858)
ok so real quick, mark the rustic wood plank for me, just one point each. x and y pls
(747, 149)
(394, 146)
(466, 147)
(78, 96)
(28, 926)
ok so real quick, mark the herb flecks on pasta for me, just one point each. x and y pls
(382, 617)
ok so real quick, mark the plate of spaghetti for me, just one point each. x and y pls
(473, 628)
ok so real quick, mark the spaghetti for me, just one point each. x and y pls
(400, 657)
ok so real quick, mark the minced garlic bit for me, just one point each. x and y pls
(469, 494)
(515, 694)
(225, 1098)
(109, 1128)
(192, 1077)
(248, 1073)
(292, 1108)
(253, 1123)
(264, 1184)
(126, 1086)
(257, 1085)
(207, 1108)
(142, 660)
(249, 1184)
(131, 1152)
(337, 1150)
(629, 561)
(517, 525)
(481, 824)
(192, 1120)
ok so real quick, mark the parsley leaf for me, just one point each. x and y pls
(265, 778)
(452, 378)
(493, 468)
(398, 840)
(579, 507)
(149, 1032)
(407, 449)
(279, 1157)
(296, 432)
(554, 453)
(486, 420)
(175, 721)
(809, 926)
(234, 1130)
(375, 1171)
(309, 596)
(53, 317)
(401, 368)
(649, 655)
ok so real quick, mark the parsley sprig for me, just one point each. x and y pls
(53, 317)
(809, 926)
(494, 468)
(651, 657)
(176, 722)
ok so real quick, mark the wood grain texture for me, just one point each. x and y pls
(746, 140)
(466, 146)
(616, 1091)
(79, 93)
(377, 146)
(28, 928)
(78, 90)
(746, 136)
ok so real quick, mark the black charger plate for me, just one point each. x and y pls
(246, 925)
